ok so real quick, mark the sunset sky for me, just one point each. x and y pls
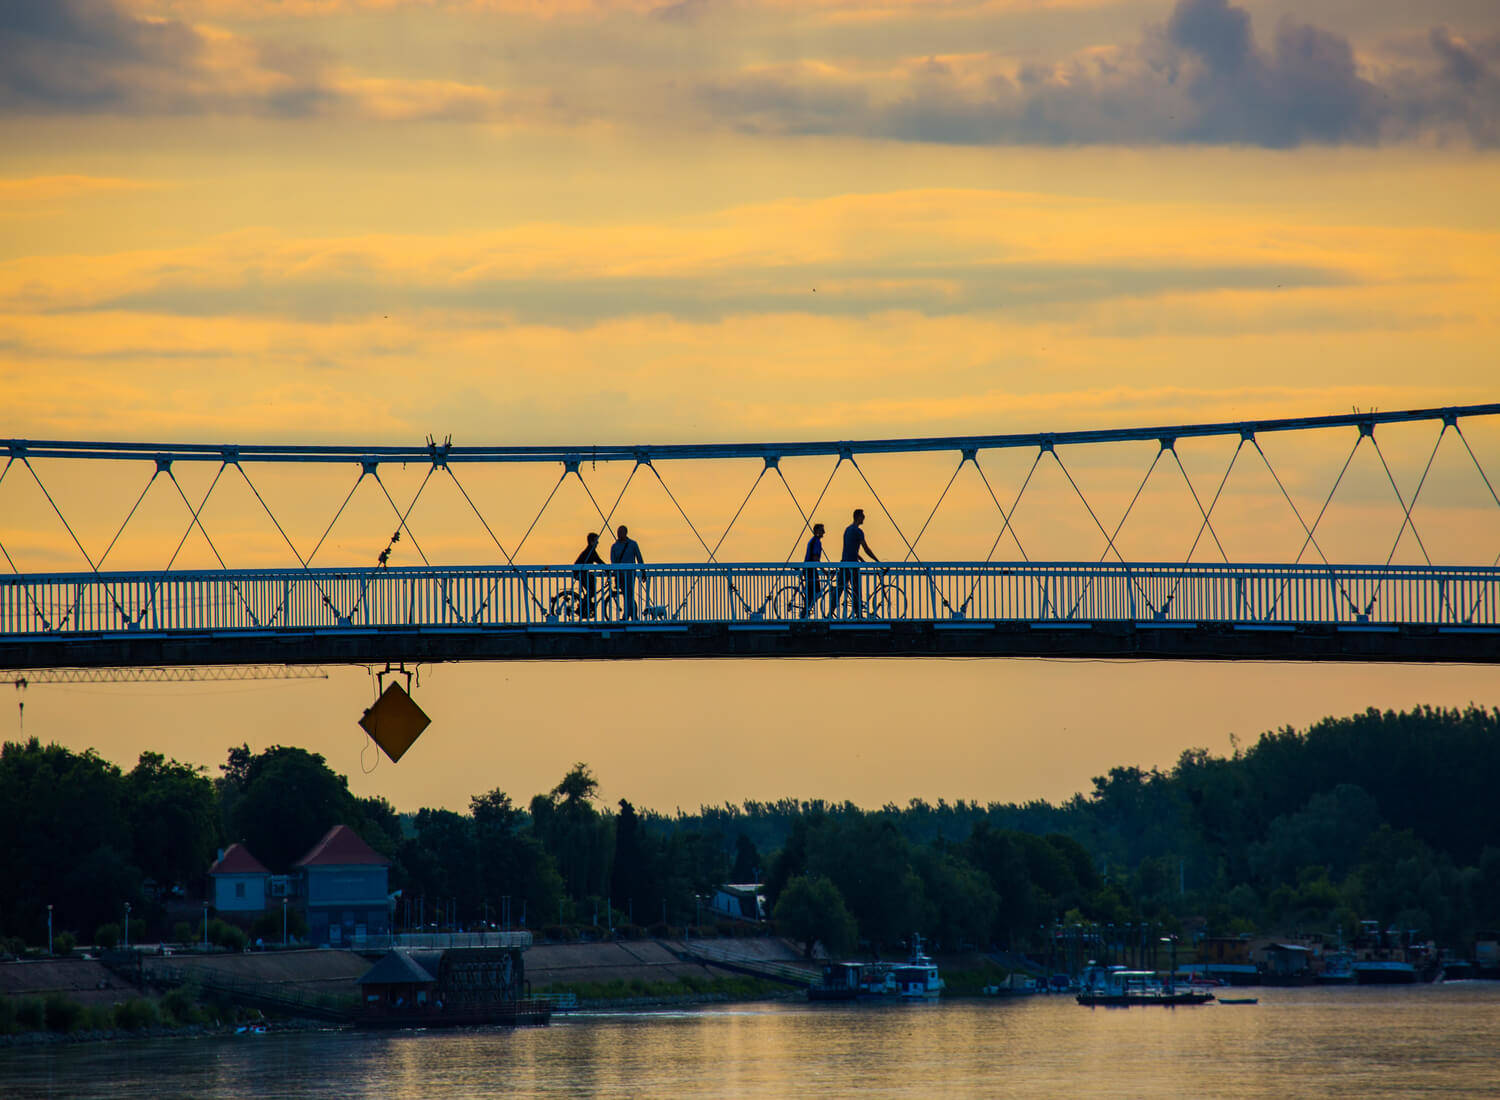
(578, 221)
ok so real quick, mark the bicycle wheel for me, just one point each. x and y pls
(788, 602)
(888, 602)
(566, 606)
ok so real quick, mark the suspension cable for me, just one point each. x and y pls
(941, 497)
(911, 552)
(807, 519)
(1406, 509)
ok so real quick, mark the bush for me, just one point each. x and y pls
(182, 932)
(8, 1023)
(136, 1014)
(62, 1014)
(107, 935)
(180, 1006)
(97, 1018)
(31, 1014)
(227, 935)
(557, 933)
(63, 943)
(659, 931)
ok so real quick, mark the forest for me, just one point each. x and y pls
(1380, 816)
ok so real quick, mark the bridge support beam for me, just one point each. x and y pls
(1109, 640)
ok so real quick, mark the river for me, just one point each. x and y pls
(1365, 1042)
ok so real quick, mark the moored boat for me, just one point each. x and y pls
(1116, 987)
(917, 979)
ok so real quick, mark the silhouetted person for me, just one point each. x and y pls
(586, 579)
(814, 553)
(854, 542)
(626, 551)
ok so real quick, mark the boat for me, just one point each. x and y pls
(1239, 1000)
(917, 979)
(1116, 987)
(1338, 969)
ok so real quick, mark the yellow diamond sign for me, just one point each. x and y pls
(395, 722)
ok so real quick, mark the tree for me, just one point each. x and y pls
(290, 798)
(812, 910)
(62, 815)
(174, 821)
(579, 840)
(511, 860)
(746, 861)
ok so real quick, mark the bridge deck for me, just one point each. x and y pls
(1358, 613)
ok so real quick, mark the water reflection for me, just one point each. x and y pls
(1295, 1042)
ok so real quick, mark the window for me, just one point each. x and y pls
(239, 889)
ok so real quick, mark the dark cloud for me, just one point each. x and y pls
(91, 55)
(1202, 77)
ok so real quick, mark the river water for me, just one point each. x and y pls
(1363, 1042)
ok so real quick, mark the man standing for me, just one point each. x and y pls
(854, 542)
(813, 555)
(585, 577)
(626, 551)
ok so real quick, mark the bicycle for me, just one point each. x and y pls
(887, 600)
(790, 600)
(569, 604)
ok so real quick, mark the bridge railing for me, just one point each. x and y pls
(559, 597)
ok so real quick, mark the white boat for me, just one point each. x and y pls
(917, 978)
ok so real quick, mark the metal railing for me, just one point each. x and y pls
(247, 602)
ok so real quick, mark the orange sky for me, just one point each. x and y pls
(512, 222)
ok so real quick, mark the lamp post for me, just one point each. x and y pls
(205, 926)
(283, 922)
(1172, 974)
(127, 924)
(49, 929)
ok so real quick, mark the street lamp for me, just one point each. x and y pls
(127, 924)
(205, 926)
(49, 929)
(1172, 974)
(283, 922)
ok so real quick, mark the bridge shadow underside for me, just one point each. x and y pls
(1214, 641)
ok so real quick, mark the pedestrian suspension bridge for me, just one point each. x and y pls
(1422, 585)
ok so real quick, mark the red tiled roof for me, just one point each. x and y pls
(237, 860)
(341, 847)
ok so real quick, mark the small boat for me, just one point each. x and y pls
(1116, 987)
(1239, 1000)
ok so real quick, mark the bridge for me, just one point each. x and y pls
(1304, 607)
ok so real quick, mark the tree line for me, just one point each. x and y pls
(1382, 816)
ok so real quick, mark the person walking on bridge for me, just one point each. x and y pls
(854, 543)
(585, 577)
(813, 555)
(626, 551)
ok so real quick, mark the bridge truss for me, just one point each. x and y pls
(1006, 603)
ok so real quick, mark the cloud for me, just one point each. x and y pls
(95, 56)
(941, 253)
(1201, 78)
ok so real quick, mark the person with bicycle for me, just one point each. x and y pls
(814, 554)
(626, 551)
(585, 577)
(854, 542)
